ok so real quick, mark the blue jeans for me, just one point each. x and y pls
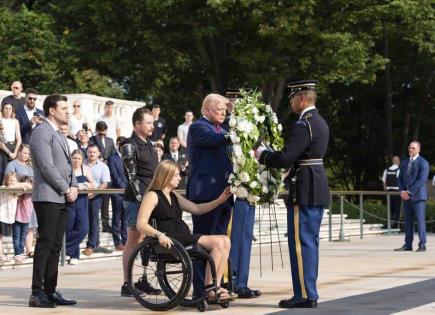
(94, 222)
(19, 231)
(77, 226)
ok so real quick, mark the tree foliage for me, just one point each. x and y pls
(374, 61)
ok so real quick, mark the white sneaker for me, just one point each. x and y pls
(73, 261)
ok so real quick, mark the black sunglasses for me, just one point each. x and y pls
(31, 98)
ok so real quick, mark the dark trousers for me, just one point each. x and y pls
(105, 212)
(414, 210)
(395, 202)
(214, 222)
(52, 220)
(303, 227)
(242, 233)
(78, 226)
(94, 222)
(119, 225)
(19, 231)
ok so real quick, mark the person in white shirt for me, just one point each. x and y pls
(112, 122)
(77, 120)
(389, 179)
(72, 145)
(183, 129)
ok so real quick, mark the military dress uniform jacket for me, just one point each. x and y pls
(308, 139)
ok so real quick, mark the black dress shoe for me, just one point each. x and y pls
(421, 248)
(404, 248)
(298, 303)
(57, 298)
(40, 300)
(247, 293)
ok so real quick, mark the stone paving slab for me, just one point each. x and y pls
(355, 277)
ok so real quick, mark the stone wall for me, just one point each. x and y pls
(93, 107)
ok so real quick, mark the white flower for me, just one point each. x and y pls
(255, 111)
(241, 192)
(237, 182)
(232, 122)
(261, 119)
(265, 189)
(253, 199)
(234, 138)
(268, 109)
(241, 161)
(236, 168)
(231, 177)
(279, 127)
(237, 150)
(233, 189)
(274, 118)
(253, 184)
(244, 177)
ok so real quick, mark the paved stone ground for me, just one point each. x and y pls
(357, 277)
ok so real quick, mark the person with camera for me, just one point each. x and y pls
(77, 120)
(29, 116)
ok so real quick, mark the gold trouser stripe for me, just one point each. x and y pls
(299, 251)
(225, 275)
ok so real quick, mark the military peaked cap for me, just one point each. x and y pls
(300, 86)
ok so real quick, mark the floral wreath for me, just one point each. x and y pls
(252, 121)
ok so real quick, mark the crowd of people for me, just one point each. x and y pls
(94, 150)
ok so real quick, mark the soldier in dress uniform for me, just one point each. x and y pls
(308, 194)
(242, 234)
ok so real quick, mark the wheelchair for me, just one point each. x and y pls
(171, 271)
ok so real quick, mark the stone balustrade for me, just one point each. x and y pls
(92, 106)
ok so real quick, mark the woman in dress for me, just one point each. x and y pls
(78, 219)
(166, 207)
(11, 135)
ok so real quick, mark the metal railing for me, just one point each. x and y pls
(340, 194)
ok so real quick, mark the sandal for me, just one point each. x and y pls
(30, 254)
(220, 295)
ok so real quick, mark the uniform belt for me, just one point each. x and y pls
(310, 162)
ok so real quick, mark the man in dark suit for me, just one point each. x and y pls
(118, 180)
(178, 155)
(414, 172)
(107, 148)
(308, 193)
(29, 116)
(104, 143)
(54, 186)
(210, 168)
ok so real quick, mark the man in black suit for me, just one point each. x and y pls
(29, 116)
(107, 148)
(54, 186)
(178, 155)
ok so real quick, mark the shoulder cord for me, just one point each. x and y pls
(309, 115)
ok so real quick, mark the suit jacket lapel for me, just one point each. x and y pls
(62, 142)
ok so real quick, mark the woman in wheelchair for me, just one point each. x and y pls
(166, 207)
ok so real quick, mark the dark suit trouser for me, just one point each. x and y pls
(52, 220)
(119, 224)
(414, 210)
(214, 222)
(105, 212)
(395, 202)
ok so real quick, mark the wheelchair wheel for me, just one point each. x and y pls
(168, 288)
(154, 263)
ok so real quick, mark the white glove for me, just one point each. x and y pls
(259, 150)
